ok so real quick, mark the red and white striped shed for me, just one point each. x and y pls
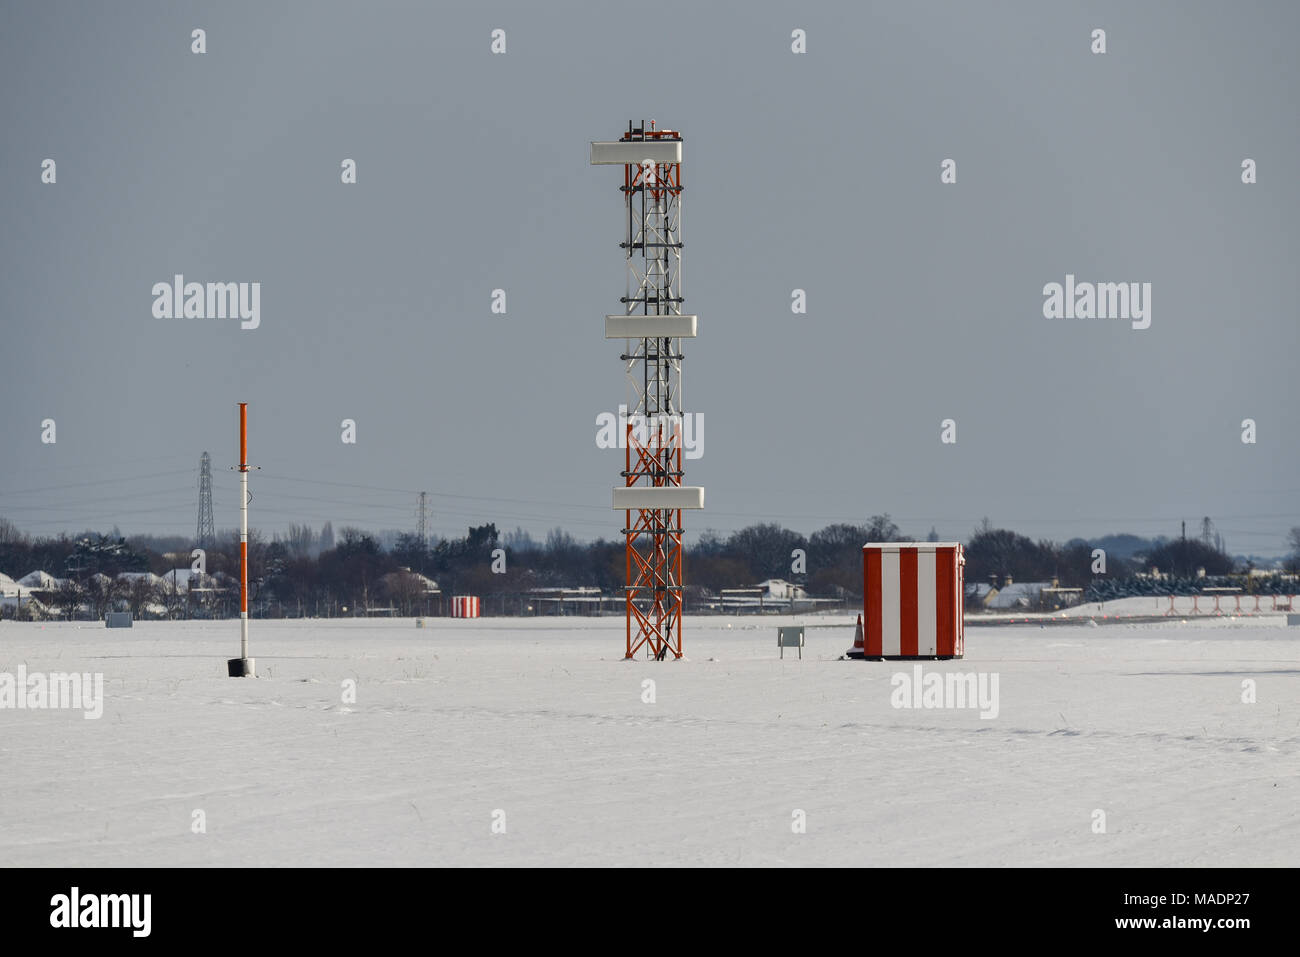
(912, 599)
(464, 606)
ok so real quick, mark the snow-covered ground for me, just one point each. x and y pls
(1185, 607)
(542, 720)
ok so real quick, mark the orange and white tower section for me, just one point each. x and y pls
(652, 496)
(243, 666)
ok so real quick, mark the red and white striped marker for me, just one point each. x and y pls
(912, 599)
(465, 606)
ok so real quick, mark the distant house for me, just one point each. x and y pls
(32, 607)
(40, 581)
(778, 589)
(574, 600)
(395, 581)
(427, 584)
(99, 580)
(774, 594)
(980, 594)
(18, 596)
(133, 577)
(406, 591)
(130, 601)
(1018, 595)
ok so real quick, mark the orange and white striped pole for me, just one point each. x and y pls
(243, 666)
(243, 530)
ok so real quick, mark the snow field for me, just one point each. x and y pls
(542, 719)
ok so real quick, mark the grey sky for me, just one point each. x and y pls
(817, 171)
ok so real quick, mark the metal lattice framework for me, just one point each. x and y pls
(422, 520)
(652, 245)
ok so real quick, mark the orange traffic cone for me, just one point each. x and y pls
(859, 649)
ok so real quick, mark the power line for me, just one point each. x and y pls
(108, 481)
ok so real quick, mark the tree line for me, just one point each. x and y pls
(306, 572)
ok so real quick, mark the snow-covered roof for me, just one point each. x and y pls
(780, 588)
(150, 577)
(39, 579)
(428, 583)
(1018, 594)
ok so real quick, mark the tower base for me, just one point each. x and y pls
(242, 667)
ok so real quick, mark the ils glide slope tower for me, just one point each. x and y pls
(652, 496)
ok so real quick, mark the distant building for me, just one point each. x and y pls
(427, 584)
(40, 581)
(980, 594)
(576, 600)
(778, 589)
(774, 594)
(133, 577)
(26, 606)
(18, 599)
(1018, 595)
